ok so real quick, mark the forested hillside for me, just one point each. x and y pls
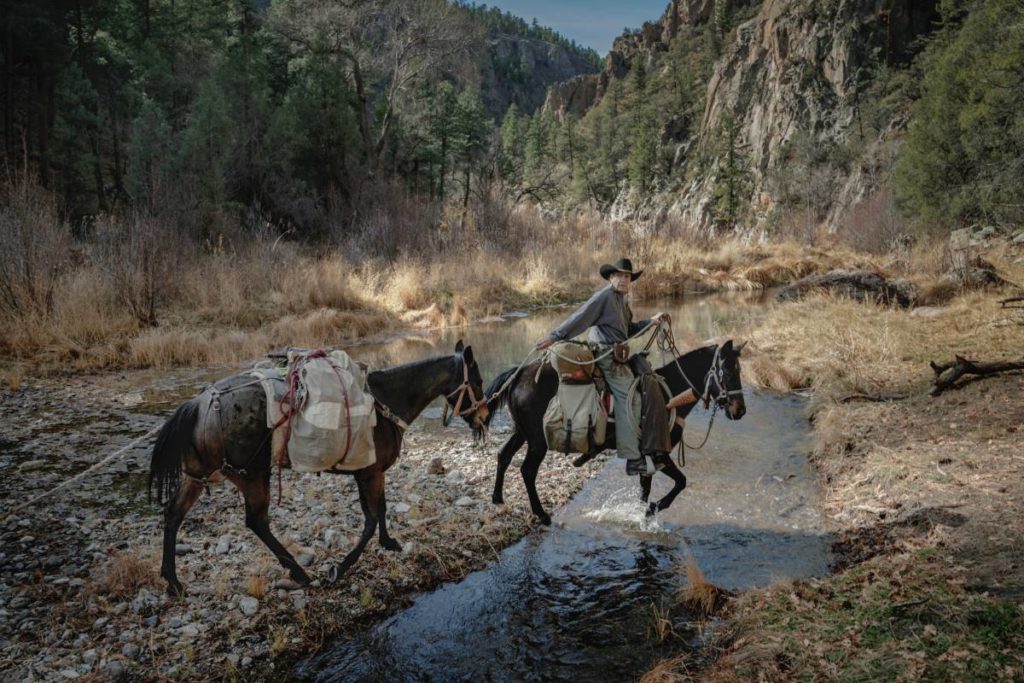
(287, 112)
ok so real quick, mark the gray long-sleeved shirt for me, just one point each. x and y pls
(607, 315)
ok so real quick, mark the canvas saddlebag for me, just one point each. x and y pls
(575, 421)
(328, 423)
(573, 361)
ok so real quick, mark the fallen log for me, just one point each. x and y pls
(860, 285)
(946, 374)
(874, 398)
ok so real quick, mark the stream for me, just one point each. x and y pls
(579, 600)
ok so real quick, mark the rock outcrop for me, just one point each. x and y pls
(797, 65)
(519, 71)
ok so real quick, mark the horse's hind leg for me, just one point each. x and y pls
(531, 465)
(385, 539)
(680, 483)
(505, 456)
(174, 514)
(257, 503)
(371, 489)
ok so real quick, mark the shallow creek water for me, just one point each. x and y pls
(577, 601)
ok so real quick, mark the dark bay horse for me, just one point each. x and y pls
(235, 440)
(714, 370)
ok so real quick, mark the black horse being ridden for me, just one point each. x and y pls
(711, 370)
(234, 439)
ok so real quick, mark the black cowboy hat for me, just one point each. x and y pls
(623, 265)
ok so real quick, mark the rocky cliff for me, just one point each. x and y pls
(797, 67)
(518, 70)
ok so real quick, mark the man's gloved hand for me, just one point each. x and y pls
(661, 317)
(543, 343)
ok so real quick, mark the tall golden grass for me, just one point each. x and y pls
(231, 302)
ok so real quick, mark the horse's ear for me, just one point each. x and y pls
(467, 355)
(458, 346)
(727, 346)
(739, 349)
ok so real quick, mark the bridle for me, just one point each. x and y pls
(463, 390)
(716, 375)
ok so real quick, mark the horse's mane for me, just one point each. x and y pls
(416, 365)
(497, 402)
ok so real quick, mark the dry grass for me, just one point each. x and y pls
(125, 573)
(671, 670)
(700, 595)
(256, 586)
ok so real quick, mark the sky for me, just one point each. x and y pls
(594, 23)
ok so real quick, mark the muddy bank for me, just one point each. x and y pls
(79, 593)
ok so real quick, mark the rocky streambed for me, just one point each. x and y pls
(80, 594)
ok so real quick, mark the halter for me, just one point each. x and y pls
(716, 374)
(462, 390)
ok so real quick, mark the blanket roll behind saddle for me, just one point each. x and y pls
(330, 418)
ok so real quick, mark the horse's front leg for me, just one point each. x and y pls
(256, 491)
(531, 465)
(679, 480)
(371, 488)
(505, 456)
(174, 514)
(645, 486)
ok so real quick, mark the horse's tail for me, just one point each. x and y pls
(496, 403)
(172, 444)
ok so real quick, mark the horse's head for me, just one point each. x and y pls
(725, 386)
(464, 394)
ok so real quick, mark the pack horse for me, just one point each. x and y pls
(225, 429)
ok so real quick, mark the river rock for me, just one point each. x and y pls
(861, 285)
(332, 538)
(305, 557)
(90, 656)
(114, 670)
(1018, 238)
(223, 545)
(31, 465)
(465, 501)
(400, 508)
(249, 606)
(436, 466)
(131, 650)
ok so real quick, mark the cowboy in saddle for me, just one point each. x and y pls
(610, 320)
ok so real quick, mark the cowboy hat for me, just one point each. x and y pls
(623, 265)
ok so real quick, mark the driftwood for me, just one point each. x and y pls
(874, 398)
(946, 374)
(1012, 299)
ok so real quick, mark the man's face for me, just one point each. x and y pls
(621, 282)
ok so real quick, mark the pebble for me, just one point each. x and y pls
(182, 549)
(114, 670)
(332, 538)
(249, 606)
(130, 650)
(436, 466)
(400, 508)
(90, 656)
(304, 558)
(223, 545)
(454, 477)
(246, 661)
(31, 466)
(465, 501)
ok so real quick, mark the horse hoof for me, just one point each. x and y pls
(545, 519)
(581, 460)
(652, 509)
(498, 500)
(392, 545)
(333, 574)
(175, 590)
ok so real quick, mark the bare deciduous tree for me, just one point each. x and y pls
(386, 45)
